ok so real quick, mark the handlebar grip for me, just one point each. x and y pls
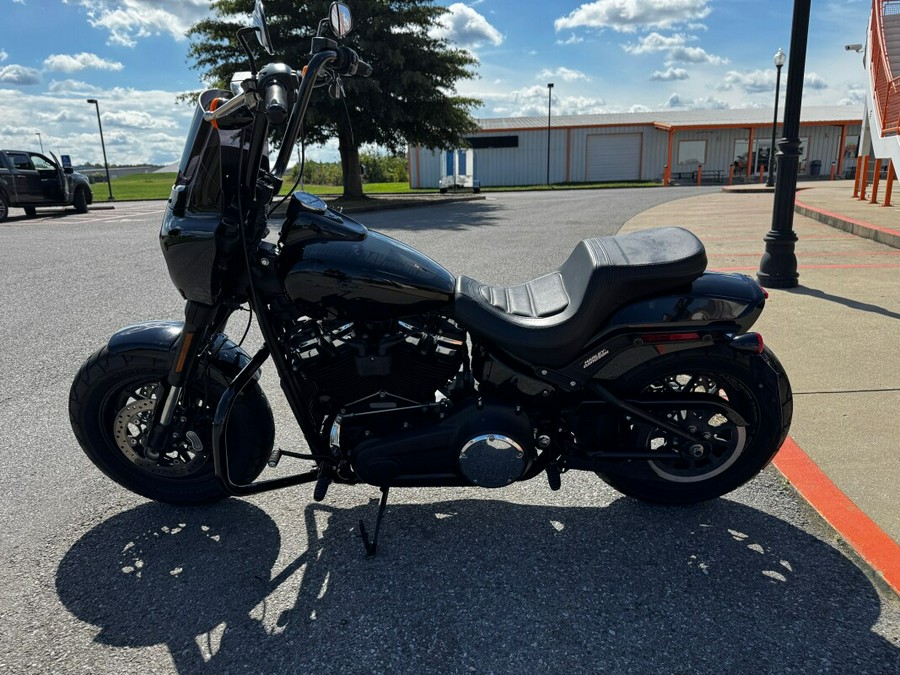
(363, 69)
(276, 103)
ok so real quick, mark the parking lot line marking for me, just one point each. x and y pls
(872, 544)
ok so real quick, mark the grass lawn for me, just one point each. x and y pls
(158, 185)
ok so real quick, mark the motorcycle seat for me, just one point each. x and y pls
(547, 321)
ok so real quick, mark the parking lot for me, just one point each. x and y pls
(517, 580)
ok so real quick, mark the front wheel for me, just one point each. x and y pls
(80, 202)
(111, 406)
(731, 453)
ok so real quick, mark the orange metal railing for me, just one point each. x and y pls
(887, 87)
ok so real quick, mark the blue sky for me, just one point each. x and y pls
(602, 56)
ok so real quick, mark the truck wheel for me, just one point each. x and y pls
(80, 201)
(4, 207)
(30, 211)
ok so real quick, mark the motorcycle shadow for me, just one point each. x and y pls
(484, 585)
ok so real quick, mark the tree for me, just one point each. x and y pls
(407, 99)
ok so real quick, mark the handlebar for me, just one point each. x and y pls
(276, 103)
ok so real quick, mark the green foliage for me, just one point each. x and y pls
(405, 101)
(381, 168)
(376, 168)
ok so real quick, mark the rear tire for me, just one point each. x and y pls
(754, 385)
(80, 200)
(111, 402)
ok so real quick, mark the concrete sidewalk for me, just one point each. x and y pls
(837, 334)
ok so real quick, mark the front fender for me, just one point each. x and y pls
(161, 336)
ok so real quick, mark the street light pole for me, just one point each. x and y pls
(779, 62)
(778, 267)
(103, 145)
(40, 140)
(549, 104)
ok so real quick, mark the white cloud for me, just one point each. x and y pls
(71, 87)
(69, 63)
(670, 74)
(675, 47)
(19, 75)
(758, 81)
(135, 119)
(466, 28)
(138, 126)
(705, 103)
(855, 95)
(571, 40)
(628, 16)
(654, 42)
(693, 55)
(3, 55)
(563, 73)
(814, 81)
(532, 102)
(128, 20)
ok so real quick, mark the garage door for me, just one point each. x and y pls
(613, 157)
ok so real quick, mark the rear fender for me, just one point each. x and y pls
(162, 336)
(715, 309)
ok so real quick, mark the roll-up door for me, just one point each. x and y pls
(613, 157)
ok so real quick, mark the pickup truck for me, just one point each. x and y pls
(29, 180)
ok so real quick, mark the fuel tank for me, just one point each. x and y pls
(332, 267)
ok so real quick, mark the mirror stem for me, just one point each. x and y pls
(242, 38)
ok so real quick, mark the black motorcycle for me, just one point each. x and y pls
(630, 360)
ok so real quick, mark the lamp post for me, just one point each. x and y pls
(778, 267)
(103, 145)
(779, 62)
(40, 140)
(549, 104)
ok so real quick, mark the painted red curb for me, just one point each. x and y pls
(847, 219)
(875, 547)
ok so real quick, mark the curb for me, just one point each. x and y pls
(883, 235)
(869, 541)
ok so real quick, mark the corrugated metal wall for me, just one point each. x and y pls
(527, 163)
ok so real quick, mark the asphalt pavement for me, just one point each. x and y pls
(94, 579)
(836, 334)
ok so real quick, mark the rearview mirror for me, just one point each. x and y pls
(341, 19)
(262, 30)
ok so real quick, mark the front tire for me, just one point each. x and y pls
(4, 207)
(112, 401)
(80, 201)
(754, 385)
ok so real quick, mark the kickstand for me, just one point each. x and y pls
(372, 546)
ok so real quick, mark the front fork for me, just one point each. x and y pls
(200, 322)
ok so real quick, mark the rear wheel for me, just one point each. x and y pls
(730, 452)
(111, 406)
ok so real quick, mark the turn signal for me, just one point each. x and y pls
(749, 342)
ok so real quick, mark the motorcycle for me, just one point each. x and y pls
(631, 360)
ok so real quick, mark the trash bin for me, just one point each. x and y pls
(815, 167)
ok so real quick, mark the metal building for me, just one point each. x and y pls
(695, 145)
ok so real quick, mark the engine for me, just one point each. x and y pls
(372, 366)
(393, 398)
